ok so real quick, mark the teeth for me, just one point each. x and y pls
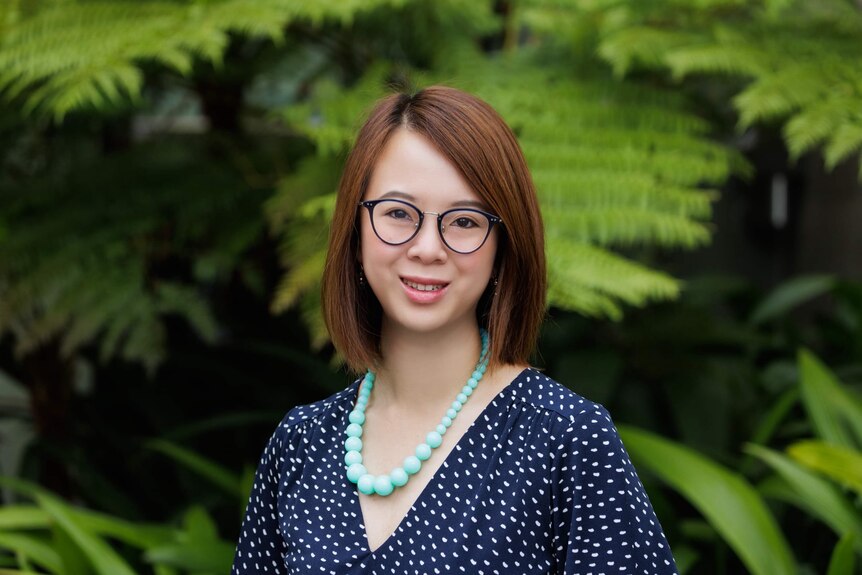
(422, 287)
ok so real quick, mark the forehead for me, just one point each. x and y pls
(411, 168)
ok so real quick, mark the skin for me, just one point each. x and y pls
(430, 349)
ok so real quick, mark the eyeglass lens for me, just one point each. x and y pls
(396, 222)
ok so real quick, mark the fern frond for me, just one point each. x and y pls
(734, 58)
(845, 141)
(593, 280)
(813, 126)
(602, 227)
(299, 280)
(641, 47)
(70, 55)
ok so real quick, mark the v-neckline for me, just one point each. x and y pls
(354, 492)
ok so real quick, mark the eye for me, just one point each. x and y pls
(398, 214)
(464, 222)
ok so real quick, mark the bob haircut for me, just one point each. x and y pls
(473, 136)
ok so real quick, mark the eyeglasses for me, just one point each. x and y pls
(463, 230)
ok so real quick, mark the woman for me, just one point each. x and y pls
(450, 454)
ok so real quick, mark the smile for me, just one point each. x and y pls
(423, 287)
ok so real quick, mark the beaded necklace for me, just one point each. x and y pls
(383, 485)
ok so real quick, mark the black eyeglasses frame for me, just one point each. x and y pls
(492, 220)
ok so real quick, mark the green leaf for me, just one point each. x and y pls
(732, 506)
(142, 535)
(840, 463)
(209, 470)
(198, 548)
(835, 413)
(812, 493)
(36, 550)
(790, 295)
(843, 560)
(104, 559)
(23, 517)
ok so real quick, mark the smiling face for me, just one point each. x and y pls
(422, 285)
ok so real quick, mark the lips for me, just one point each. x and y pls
(424, 290)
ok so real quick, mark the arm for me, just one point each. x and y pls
(261, 547)
(605, 522)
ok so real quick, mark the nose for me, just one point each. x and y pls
(428, 246)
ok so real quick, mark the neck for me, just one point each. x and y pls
(421, 370)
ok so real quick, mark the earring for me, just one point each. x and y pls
(495, 284)
(361, 275)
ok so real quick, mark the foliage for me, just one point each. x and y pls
(65, 56)
(818, 477)
(34, 532)
(796, 62)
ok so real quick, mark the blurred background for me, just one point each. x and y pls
(168, 174)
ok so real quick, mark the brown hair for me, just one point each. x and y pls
(481, 146)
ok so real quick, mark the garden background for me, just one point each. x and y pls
(168, 171)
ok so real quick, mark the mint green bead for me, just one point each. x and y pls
(472, 382)
(356, 417)
(398, 477)
(383, 485)
(354, 430)
(477, 375)
(447, 421)
(467, 390)
(355, 472)
(353, 444)
(483, 368)
(457, 405)
(370, 375)
(412, 465)
(451, 413)
(423, 451)
(462, 398)
(441, 429)
(352, 457)
(365, 484)
(433, 440)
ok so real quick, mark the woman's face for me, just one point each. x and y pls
(411, 169)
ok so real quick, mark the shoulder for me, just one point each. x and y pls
(567, 407)
(333, 406)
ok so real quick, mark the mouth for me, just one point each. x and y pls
(424, 285)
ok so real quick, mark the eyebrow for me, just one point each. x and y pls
(459, 204)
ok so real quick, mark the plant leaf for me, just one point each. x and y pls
(105, 560)
(36, 550)
(840, 463)
(833, 411)
(843, 560)
(790, 295)
(814, 494)
(213, 472)
(732, 506)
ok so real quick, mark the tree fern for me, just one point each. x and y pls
(80, 262)
(798, 61)
(62, 56)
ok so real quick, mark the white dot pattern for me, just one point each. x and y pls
(539, 483)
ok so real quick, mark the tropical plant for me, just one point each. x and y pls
(60, 539)
(794, 62)
(817, 475)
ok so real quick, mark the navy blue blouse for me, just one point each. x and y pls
(539, 483)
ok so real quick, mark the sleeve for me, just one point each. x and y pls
(261, 547)
(604, 520)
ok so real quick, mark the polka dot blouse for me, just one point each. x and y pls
(539, 483)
